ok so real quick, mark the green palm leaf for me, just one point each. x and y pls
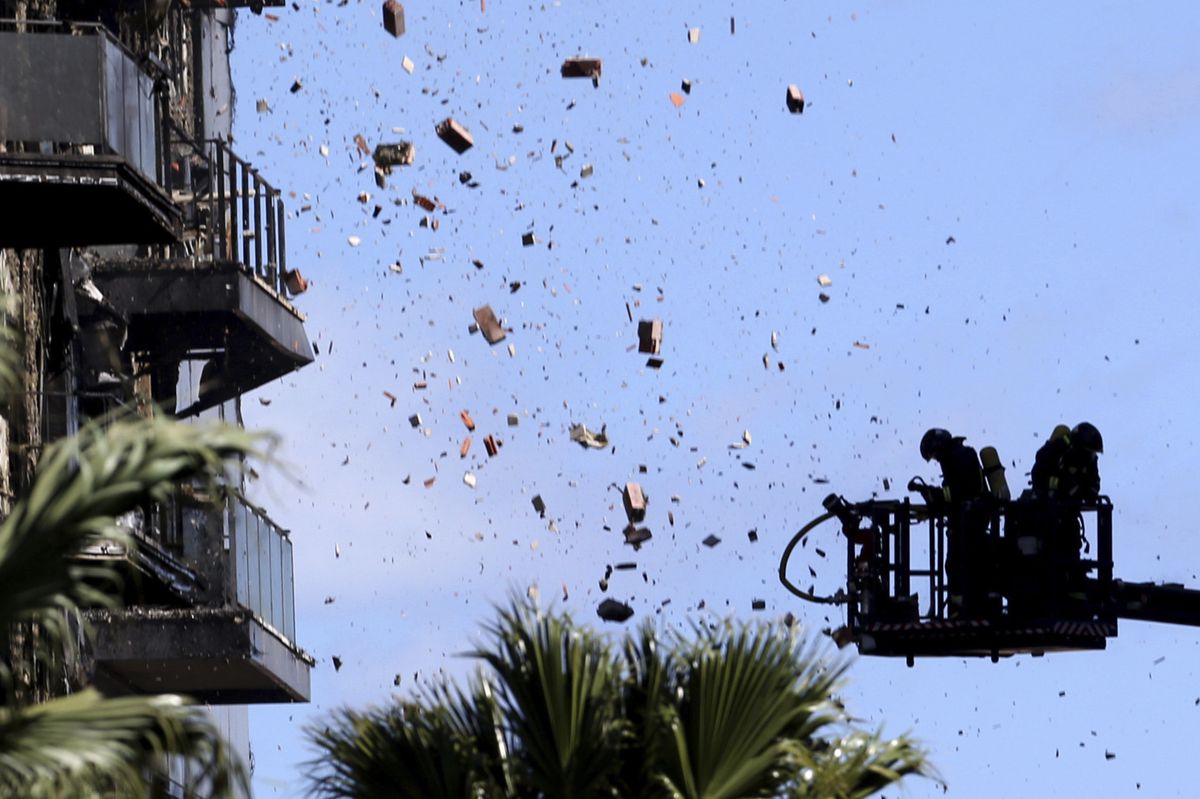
(559, 688)
(82, 745)
(405, 752)
(857, 765)
(749, 697)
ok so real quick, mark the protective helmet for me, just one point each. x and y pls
(1087, 436)
(934, 440)
(1059, 431)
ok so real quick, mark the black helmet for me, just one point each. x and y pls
(935, 439)
(1087, 436)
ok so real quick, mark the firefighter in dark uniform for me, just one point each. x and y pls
(1066, 475)
(1066, 467)
(961, 499)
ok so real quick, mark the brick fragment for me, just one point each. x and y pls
(393, 18)
(650, 334)
(635, 502)
(455, 135)
(583, 67)
(795, 99)
(294, 282)
(488, 324)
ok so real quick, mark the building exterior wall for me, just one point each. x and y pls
(45, 284)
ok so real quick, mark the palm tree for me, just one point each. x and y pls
(84, 744)
(726, 712)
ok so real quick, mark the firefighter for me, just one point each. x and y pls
(1066, 467)
(960, 498)
(1065, 475)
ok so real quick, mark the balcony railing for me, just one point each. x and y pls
(230, 212)
(80, 139)
(67, 90)
(262, 566)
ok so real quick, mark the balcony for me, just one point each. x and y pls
(80, 160)
(237, 648)
(220, 293)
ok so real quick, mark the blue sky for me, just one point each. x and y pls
(1055, 145)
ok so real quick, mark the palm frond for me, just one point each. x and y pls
(82, 484)
(856, 766)
(559, 687)
(84, 744)
(408, 751)
(648, 686)
(748, 696)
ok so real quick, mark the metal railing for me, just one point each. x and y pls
(230, 212)
(262, 566)
(1015, 543)
(73, 88)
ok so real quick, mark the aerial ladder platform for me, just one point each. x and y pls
(990, 579)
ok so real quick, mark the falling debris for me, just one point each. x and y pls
(614, 611)
(337, 663)
(795, 99)
(513, 420)
(455, 135)
(686, 86)
(354, 241)
(650, 336)
(759, 604)
(711, 541)
(465, 447)
(677, 99)
(539, 505)
(467, 420)
(393, 18)
(294, 282)
(583, 67)
(635, 502)
(528, 239)
(586, 438)
(491, 445)
(401, 153)
(262, 106)
(693, 35)
(415, 420)
(489, 325)
(408, 65)
(469, 480)
(824, 280)
(585, 171)
(636, 536)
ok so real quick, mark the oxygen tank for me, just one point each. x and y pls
(993, 472)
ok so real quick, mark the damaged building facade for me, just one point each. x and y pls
(149, 269)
